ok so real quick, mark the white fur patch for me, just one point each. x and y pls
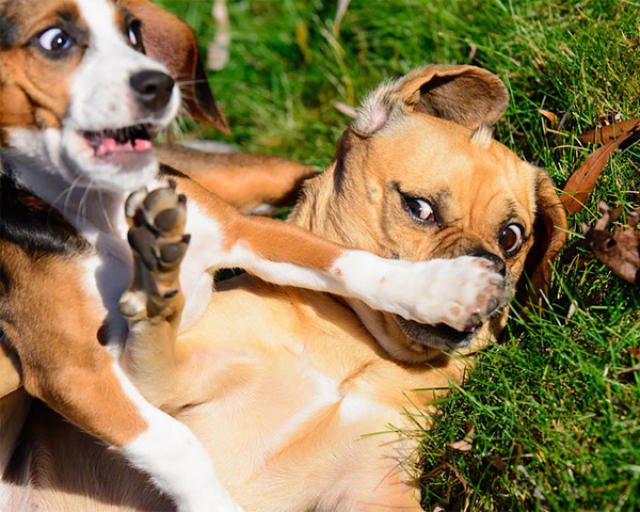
(431, 292)
(482, 136)
(355, 408)
(322, 392)
(175, 459)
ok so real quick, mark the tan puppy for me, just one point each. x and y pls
(286, 387)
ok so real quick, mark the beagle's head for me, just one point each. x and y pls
(79, 92)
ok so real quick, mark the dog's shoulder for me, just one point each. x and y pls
(33, 225)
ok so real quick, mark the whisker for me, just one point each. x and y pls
(194, 81)
(104, 212)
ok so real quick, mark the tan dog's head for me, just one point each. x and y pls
(84, 83)
(417, 176)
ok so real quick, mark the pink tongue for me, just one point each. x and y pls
(111, 146)
(142, 145)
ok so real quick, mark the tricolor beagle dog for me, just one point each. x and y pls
(84, 86)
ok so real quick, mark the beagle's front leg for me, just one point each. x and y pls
(154, 302)
(459, 292)
(153, 306)
(50, 319)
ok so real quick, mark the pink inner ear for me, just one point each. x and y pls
(377, 117)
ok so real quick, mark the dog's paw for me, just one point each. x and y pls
(467, 291)
(157, 222)
(460, 292)
(158, 243)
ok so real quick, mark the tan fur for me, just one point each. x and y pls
(265, 238)
(296, 401)
(65, 370)
(244, 181)
(34, 91)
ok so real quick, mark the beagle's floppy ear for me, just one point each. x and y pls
(169, 40)
(549, 235)
(466, 95)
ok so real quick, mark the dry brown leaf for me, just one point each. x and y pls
(550, 116)
(620, 251)
(464, 445)
(602, 135)
(581, 182)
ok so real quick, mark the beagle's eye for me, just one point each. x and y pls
(134, 33)
(511, 239)
(54, 40)
(420, 209)
(133, 39)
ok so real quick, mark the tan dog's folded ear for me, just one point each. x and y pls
(169, 40)
(466, 95)
(549, 233)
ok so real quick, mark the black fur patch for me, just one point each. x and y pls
(342, 148)
(33, 225)
(167, 171)
(8, 32)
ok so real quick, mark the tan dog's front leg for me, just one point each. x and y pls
(153, 303)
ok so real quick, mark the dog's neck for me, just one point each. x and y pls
(91, 210)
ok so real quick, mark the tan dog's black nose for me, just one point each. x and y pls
(152, 89)
(498, 263)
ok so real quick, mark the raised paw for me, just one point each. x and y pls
(459, 292)
(470, 291)
(158, 243)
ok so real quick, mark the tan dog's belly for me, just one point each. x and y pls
(293, 392)
(287, 401)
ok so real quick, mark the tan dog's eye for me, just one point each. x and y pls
(54, 40)
(511, 239)
(420, 209)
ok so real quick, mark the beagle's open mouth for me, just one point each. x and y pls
(115, 144)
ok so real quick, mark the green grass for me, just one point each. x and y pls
(556, 417)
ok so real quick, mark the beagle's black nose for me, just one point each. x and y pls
(152, 89)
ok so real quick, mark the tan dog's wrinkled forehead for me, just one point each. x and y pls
(476, 187)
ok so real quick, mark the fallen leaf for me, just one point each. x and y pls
(464, 445)
(581, 182)
(498, 463)
(604, 134)
(620, 251)
(550, 116)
